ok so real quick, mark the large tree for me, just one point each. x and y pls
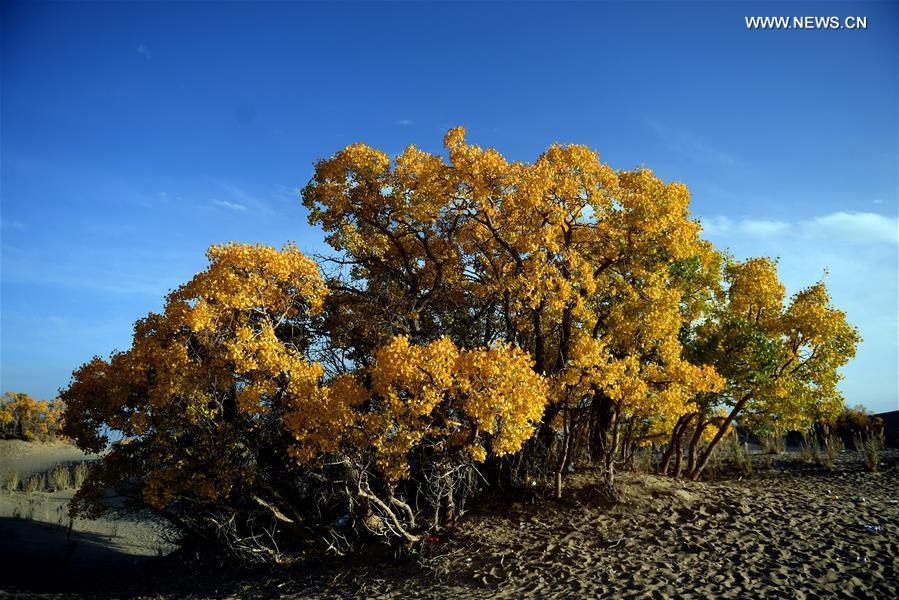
(231, 432)
(475, 310)
(592, 271)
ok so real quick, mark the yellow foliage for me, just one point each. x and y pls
(465, 398)
(23, 417)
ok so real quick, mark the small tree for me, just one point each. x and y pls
(780, 360)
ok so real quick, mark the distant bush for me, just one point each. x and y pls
(854, 425)
(79, 474)
(24, 418)
(59, 478)
(35, 483)
(12, 481)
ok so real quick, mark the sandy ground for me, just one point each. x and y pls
(33, 457)
(41, 549)
(789, 530)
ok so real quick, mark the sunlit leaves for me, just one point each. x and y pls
(23, 417)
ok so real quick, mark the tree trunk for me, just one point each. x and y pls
(603, 413)
(611, 449)
(722, 429)
(676, 435)
(678, 451)
(697, 435)
(563, 459)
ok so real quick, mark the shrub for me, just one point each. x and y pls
(832, 446)
(809, 448)
(12, 481)
(59, 478)
(35, 483)
(773, 443)
(820, 449)
(739, 453)
(79, 473)
(869, 443)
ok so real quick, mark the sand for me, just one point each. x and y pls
(42, 550)
(37, 457)
(789, 530)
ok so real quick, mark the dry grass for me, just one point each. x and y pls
(870, 444)
(773, 443)
(12, 481)
(59, 478)
(822, 451)
(739, 453)
(79, 474)
(35, 483)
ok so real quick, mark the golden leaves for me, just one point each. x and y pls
(465, 397)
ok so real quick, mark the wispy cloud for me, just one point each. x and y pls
(144, 51)
(286, 194)
(856, 227)
(236, 207)
(243, 198)
(15, 224)
(690, 145)
(403, 122)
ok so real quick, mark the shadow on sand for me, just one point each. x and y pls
(43, 557)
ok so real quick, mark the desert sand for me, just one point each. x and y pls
(42, 550)
(789, 530)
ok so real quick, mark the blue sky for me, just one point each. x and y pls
(134, 135)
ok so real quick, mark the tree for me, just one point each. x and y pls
(231, 433)
(578, 264)
(780, 360)
(199, 399)
(479, 316)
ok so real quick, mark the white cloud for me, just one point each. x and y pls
(403, 122)
(859, 227)
(286, 194)
(144, 51)
(236, 207)
(763, 228)
(855, 227)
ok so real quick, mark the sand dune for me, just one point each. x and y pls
(31, 457)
